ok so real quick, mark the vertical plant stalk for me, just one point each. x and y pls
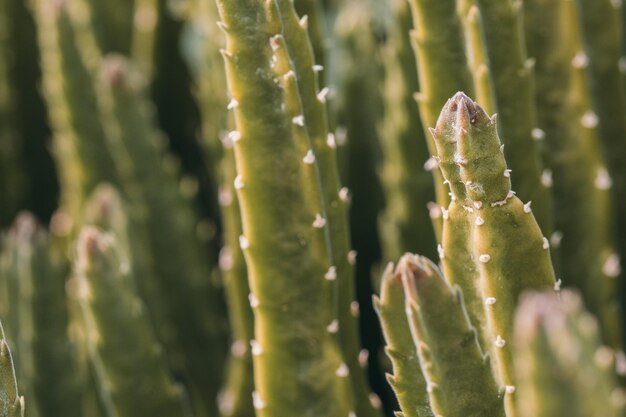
(405, 224)
(601, 27)
(442, 67)
(512, 77)
(11, 404)
(298, 365)
(557, 353)
(508, 248)
(407, 380)
(574, 154)
(127, 358)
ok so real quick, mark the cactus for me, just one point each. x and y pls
(558, 354)
(11, 404)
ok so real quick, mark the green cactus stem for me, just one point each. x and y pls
(477, 54)
(601, 27)
(298, 365)
(80, 143)
(581, 180)
(145, 22)
(11, 404)
(442, 67)
(446, 342)
(563, 370)
(128, 361)
(512, 77)
(405, 224)
(508, 248)
(407, 379)
(158, 200)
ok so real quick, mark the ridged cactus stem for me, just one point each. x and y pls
(405, 224)
(452, 361)
(508, 248)
(333, 207)
(181, 261)
(80, 143)
(145, 22)
(601, 28)
(477, 54)
(563, 369)
(574, 154)
(512, 74)
(11, 404)
(407, 379)
(130, 368)
(442, 68)
(297, 364)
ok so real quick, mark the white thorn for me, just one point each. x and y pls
(509, 389)
(322, 96)
(331, 274)
(298, 120)
(232, 105)
(489, 301)
(256, 348)
(527, 208)
(555, 238)
(351, 414)
(254, 301)
(557, 285)
(238, 182)
(603, 179)
(225, 196)
(343, 371)
(257, 401)
(479, 221)
(612, 266)
(330, 140)
(355, 309)
(431, 164)
(478, 204)
(289, 75)
(344, 194)
(309, 158)
(318, 68)
(333, 327)
(304, 22)
(538, 134)
(319, 222)
(445, 213)
(484, 258)
(589, 119)
(440, 251)
(507, 173)
(244, 242)
(238, 348)
(352, 257)
(499, 342)
(546, 178)
(234, 135)
(580, 61)
(434, 211)
(546, 243)
(375, 401)
(364, 355)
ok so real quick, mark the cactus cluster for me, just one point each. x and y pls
(198, 199)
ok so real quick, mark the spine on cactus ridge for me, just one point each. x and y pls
(316, 29)
(601, 27)
(12, 404)
(312, 106)
(477, 54)
(512, 78)
(127, 358)
(80, 144)
(180, 260)
(442, 67)
(508, 248)
(298, 365)
(407, 379)
(581, 182)
(563, 370)
(405, 224)
(451, 358)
